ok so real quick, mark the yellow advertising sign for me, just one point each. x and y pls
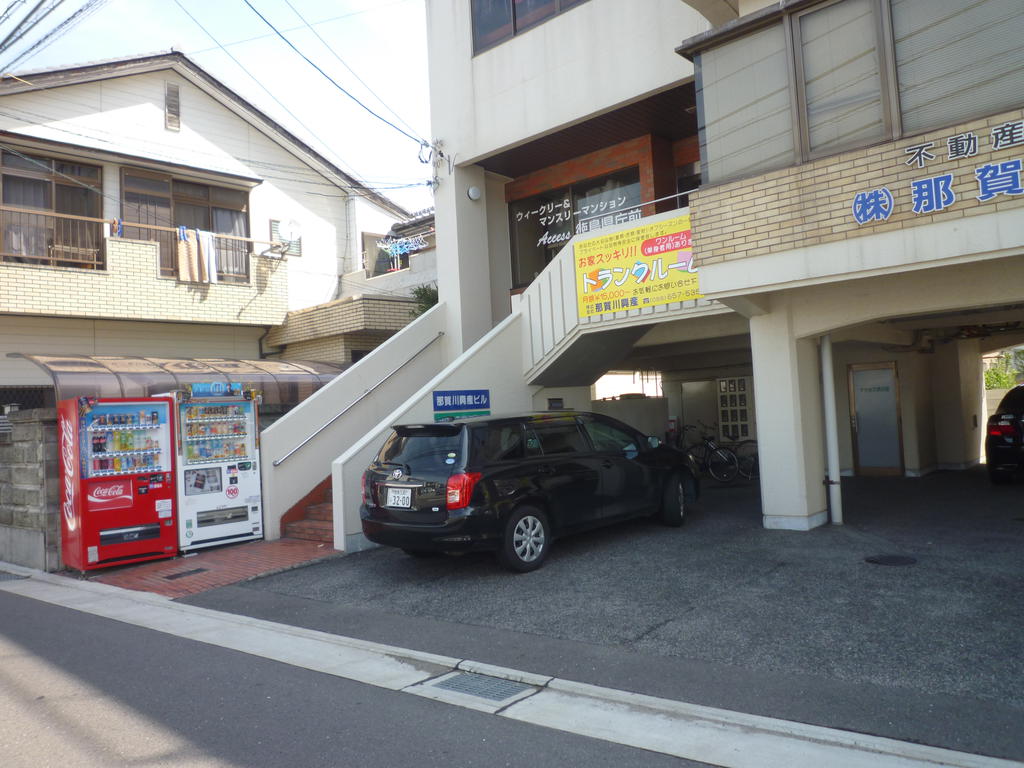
(641, 267)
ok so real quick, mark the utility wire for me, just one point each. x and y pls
(405, 133)
(264, 167)
(268, 91)
(17, 33)
(346, 66)
(376, 8)
(90, 7)
(10, 9)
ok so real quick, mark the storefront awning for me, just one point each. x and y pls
(282, 383)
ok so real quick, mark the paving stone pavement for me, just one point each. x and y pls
(211, 568)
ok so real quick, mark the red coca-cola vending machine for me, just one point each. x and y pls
(118, 491)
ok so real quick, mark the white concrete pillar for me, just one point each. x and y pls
(790, 429)
(463, 268)
(956, 393)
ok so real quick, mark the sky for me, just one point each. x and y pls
(374, 49)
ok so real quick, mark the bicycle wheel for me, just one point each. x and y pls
(698, 454)
(746, 456)
(722, 465)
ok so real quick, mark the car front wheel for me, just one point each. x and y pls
(673, 502)
(526, 541)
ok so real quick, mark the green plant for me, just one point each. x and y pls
(425, 297)
(1004, 372)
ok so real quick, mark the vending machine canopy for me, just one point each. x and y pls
(282, 383)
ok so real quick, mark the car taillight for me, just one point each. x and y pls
(1002, 430)
(460, 489)
(366, 496)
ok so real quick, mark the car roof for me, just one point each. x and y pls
(526, 417)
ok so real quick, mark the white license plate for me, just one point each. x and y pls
(399, 497)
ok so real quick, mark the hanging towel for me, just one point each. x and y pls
(188, 256)
(207, 254)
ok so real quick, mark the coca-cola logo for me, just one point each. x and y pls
(67, 452)
(108, 491)
(110, 495)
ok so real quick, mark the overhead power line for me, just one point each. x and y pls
(346, 66)
(28, 23)
(291, 45)
(267, 90)
(90, 7)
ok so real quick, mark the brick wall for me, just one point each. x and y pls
(29, 488)
(655, 157)
(129, 288)
(812, 203)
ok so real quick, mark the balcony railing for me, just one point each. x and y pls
(51, 239)
(63, 240)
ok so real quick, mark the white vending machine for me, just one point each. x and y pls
(219, 492)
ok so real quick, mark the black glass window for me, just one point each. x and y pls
(543, 224)
(498, 20)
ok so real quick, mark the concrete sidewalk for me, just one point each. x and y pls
(725, 614)
(711, 736)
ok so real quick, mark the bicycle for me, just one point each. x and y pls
(746, 457)
(711, 458)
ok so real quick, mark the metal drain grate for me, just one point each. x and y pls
(890, 560)
(183, 574)
(4, 576)
(482, 686)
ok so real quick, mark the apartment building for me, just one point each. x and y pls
(107, 172)
(806, 215)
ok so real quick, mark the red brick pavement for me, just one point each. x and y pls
(215, 567)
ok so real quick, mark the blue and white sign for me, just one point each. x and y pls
(462, 400)
(215, 389)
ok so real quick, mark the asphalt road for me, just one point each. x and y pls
(77, 690)
(725, 613)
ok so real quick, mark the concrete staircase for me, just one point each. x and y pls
(317, 525)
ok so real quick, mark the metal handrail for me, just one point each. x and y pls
(350, 406)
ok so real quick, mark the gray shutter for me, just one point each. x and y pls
(743, 96)
(957, 60)
(842, 86)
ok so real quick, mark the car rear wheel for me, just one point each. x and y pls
(526, 541)
(673, 502)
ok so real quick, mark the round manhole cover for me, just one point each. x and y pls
(890, 560)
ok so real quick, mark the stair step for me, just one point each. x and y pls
(310, 530)
(324, 511)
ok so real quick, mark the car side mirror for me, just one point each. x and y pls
(653, 441)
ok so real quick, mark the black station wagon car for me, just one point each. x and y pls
(513, 484)
(1004, 438)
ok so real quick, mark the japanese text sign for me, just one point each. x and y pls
(931, 194)
(460, 403)
(645, 266)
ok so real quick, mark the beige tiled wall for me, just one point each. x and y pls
(129, 288)
(812, 203)
(342, 316)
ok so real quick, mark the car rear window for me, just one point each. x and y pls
(423, 450)
(1013, 401)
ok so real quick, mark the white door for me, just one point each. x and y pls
(875, 419)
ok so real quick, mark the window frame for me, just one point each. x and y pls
(798, 81)
(515, 29)
(888, 83)
(57, 180)
(168, 271)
